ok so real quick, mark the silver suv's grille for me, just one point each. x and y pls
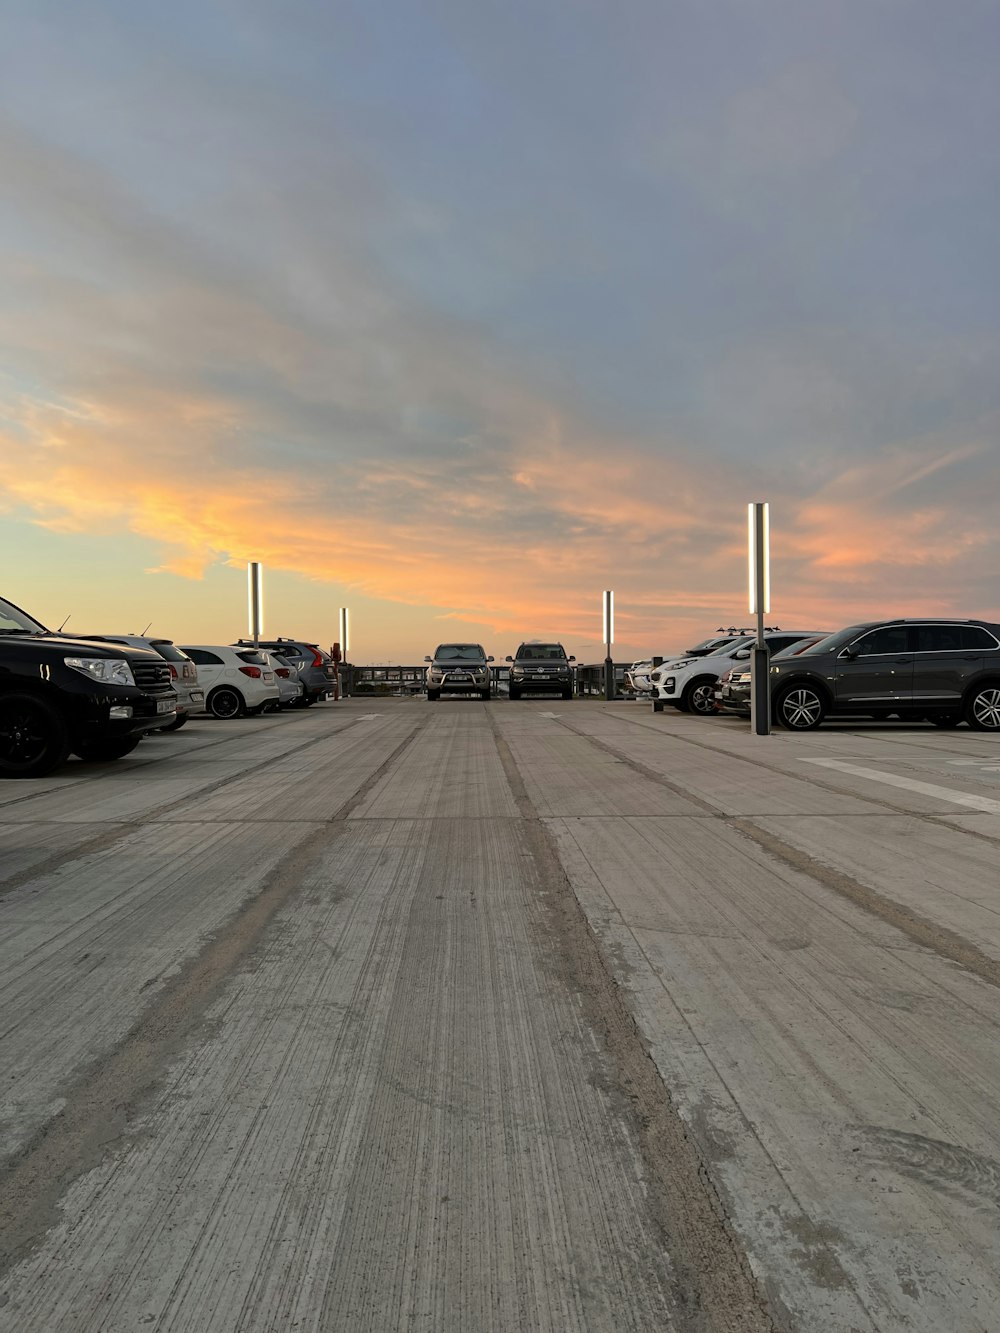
(150, 677)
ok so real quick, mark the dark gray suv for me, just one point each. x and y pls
(541, 667)
(317, 670)
(941, 670)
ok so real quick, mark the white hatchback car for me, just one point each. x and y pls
(689, 682)
(236, 681)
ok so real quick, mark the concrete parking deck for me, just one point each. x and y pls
(543, 1015)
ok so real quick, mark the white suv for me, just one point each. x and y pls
(236, 681)
(689, 682)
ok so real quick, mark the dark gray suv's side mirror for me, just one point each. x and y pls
(508, 659)
(572, 659)
(489, 659)
(428, 659)
(849, 654)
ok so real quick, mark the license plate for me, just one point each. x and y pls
(269, 675)
(165, 706)
(197, 697)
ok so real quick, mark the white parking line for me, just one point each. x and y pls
(548, 715)
(912, 784)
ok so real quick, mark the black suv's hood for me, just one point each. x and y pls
(61, 645)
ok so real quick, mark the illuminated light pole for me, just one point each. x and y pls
(255, 599)
(759, 581)
(345, 648)
(608, 640)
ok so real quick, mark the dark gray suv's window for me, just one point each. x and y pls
(544, 652)
(888, 639)
(939, 638)
(977, 639)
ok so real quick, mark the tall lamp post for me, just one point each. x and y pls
(345, 648)
(609, 638)
(759, 580)
(255, 600)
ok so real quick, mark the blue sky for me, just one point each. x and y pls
(462, 312)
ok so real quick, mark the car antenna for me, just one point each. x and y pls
(60, 629)
(143, 634)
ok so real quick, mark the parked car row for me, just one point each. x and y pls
(97, 695)
(464, 669)
(943, 670)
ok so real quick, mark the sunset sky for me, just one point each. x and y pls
(458, 312)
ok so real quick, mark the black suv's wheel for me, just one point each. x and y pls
(514, 692)
(102, 752)
(225, 703)
(800, 708)
(433, 696)
(982, 708)
(699, 696)
(567, 694)
(486, 695)
(33, 737)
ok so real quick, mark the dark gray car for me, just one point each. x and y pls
(317, 669)
(943, 670)
(541, 668)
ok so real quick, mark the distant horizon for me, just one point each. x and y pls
(457, 317)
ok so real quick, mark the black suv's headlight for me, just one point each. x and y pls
(108, 670)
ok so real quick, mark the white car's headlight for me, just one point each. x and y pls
(111, 670)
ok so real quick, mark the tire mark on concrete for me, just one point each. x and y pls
(124, 828)
(946, 943)
(102, 1102)
(715, 1289)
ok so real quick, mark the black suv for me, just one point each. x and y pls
(941, 670)
(537, 667)
(61, 695)
(317, 669)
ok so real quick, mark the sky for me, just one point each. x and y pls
(458, 312)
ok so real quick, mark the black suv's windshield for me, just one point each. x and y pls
(459, 652)
(15, 621)
(545, 652)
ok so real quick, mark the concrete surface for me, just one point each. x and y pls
(343, 1021)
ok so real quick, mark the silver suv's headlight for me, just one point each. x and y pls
(110, 670)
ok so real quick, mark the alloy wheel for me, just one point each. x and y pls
(986, 709)
(801, 709)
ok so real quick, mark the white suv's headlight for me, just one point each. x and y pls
(111, 670)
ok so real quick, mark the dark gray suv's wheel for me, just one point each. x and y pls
(33, 737)
(433, 696)
(225, 703)
(800, 708)
(982, 708)
(699, 696)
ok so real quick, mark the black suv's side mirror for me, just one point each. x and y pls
(489, 659)
(571, 659)
(849, 654)
(428, 659)
(508, 659)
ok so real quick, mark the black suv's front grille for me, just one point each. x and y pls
(150, 677)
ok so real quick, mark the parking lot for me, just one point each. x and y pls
(545, 1015)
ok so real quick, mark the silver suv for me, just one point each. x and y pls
(183, 672)
(317, 669)
(458, 668)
